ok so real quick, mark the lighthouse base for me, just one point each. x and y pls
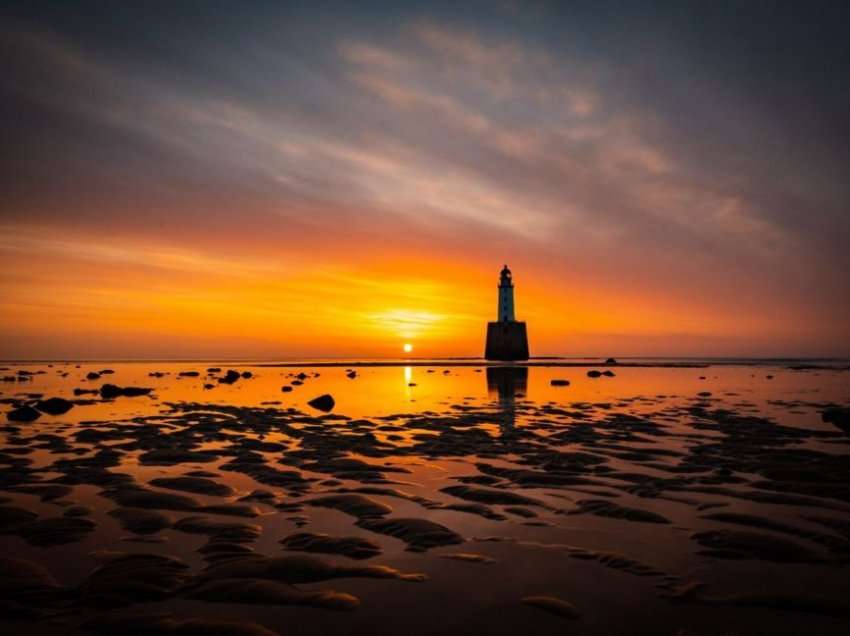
(506, 341)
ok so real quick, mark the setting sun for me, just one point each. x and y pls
(407, 347)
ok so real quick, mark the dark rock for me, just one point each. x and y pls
(198, 485)
(12, 517)
(352, 547)
(110, 391)
(487, 496)
(55, 530)
(189, 374)
(92, 375)
(840, 417)
(611, 361)
(593, 373)
(141, 521)
(247, 375)
(558, 382)
(286, 389)
(603, 508)
(230, 377)
(352, 504)
(323, 403)
(86, 392)
(23, 414)
(54, 406)
(419, 534)
(266, 592)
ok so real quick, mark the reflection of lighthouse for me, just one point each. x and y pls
(507, 339)
(508, 383)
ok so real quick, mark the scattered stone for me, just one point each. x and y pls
(352, 504)
(23, 414)
(419, 534)
(323, 403)
(558, 382)
(111, 391)
(230, 377)
(141, 521)
(352, 547)
(54, 406)
(197, 485)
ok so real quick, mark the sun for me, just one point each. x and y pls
(407, 347)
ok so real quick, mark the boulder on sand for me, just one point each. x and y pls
(23, 414)
(54, 406)
(324, 403)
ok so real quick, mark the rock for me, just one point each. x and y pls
(608, 373)
(189, 374)
(92, 375)
(286, 389)
(141, 521)
(79, 392)
(419, 534)
(130, 578)
(55, 530)
(487, 496)
(323, 403)
(604, 508)
(558, 382)
(352, 547)
(198, 485)
(12, 517)
(298, 569)
(744, 544)
(265, 592)
(135, 497)
(54, 406)
(230, 377)
(23, 414)
(21, 580)
(611, 361)
(226, 530)
(593, 373)
(840, 417)
(354, 505)
(110, 391)
(172, 456)
(553, 606)
(247, 375)
(351, 374)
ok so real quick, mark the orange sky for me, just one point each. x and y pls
(284, 184)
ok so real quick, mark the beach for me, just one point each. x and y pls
(424, 497)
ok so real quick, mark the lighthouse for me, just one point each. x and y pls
(507, 338)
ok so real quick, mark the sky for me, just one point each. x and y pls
(273, 179)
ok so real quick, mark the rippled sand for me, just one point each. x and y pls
(428, 500)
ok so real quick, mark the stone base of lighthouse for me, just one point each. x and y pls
(506, 341)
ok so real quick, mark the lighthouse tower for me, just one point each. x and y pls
(507, 338)
(506, 296)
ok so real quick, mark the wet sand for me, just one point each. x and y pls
(428, 498)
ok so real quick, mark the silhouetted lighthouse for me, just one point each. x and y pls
(507, 339)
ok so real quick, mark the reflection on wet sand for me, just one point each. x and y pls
(507, 384)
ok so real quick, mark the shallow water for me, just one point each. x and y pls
(638, 488)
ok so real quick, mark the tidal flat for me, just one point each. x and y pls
(427, 498)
